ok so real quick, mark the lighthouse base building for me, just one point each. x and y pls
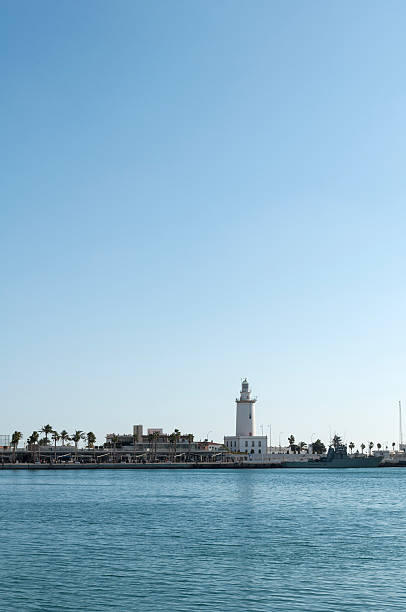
(245, 441)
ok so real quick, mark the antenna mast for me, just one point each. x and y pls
(400, 426)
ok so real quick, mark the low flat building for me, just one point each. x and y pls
(246, 444)
(157, 446)
(138, 437)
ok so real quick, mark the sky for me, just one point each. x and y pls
(195, 192)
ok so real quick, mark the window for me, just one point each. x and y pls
(246, 442)
(252, 443)
(259, 443)
(259, 450)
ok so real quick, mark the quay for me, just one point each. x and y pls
(215, 465)
(203, 465)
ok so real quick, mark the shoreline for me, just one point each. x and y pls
(136, 466)
(170, 466)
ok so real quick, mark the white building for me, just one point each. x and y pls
(245, 440)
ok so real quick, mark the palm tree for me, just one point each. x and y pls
(15, 438)
(172, 441)
(114, 440)
(156, 436)
(318, 447)
(35, 441)
(302, 446)
(393, 446)
(291, 441)
(379, 446)
(64, 436)
(135, 444)
(362, 448)
(370, 446)
(32, 442)
(55, 437)
(336, 442)
(76, 438)
(91, 439)
(190, 439)
(351, 445)
(150, 440)
(47, 430)
(177, 435)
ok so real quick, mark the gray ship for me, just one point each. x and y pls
(337, 457)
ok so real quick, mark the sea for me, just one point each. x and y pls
(191, 540)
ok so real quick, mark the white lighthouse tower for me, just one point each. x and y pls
(245, 444)
(245, 422)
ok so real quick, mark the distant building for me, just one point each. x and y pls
(245, 440)
(137, 433)
(161, 447)
(138, 437)
(4, 441)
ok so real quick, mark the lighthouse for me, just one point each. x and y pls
(245, 421)
(245, 445)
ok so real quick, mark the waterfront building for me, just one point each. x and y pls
(121, 448)
(245, 441)
(161, 447)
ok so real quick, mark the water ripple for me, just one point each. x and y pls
(183, 541)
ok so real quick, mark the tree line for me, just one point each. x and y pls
(35, 441)
(318, 447)
(153, 438)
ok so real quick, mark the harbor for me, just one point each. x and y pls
(155, 449)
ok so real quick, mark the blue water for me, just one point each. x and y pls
(203, 540)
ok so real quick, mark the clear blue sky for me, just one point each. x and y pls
(192, 192)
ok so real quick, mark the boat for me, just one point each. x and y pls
(337, 457)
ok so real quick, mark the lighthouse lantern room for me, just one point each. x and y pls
(245, 421)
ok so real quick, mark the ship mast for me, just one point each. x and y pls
(400, 426)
